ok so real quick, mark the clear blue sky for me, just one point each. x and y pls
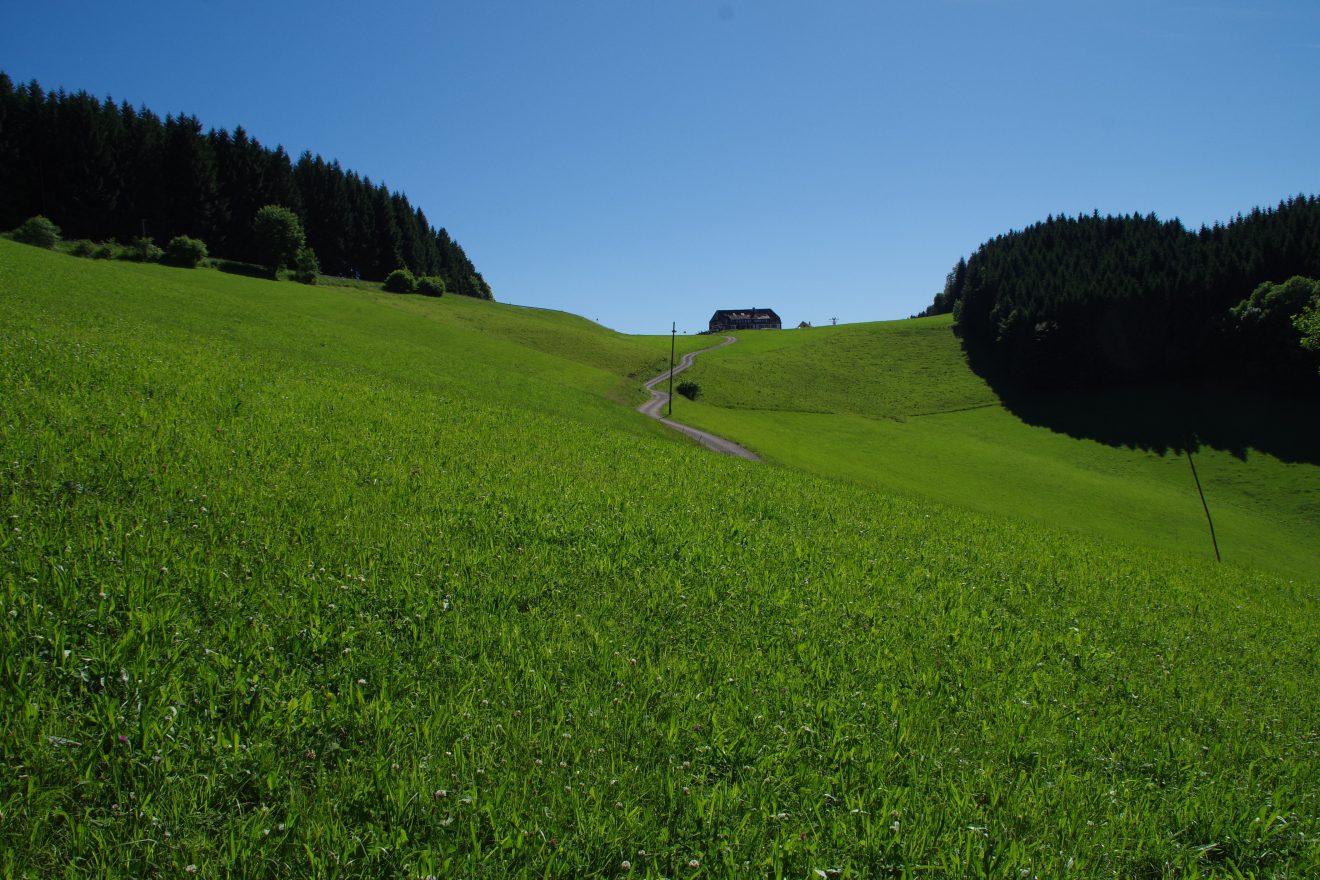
(646, 161)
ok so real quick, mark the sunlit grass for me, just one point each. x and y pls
(914, 419)
(293, 585)
(888, 370)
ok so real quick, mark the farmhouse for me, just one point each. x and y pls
(744, 319)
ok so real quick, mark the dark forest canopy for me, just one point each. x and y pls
(103, 169)
(1097, 300)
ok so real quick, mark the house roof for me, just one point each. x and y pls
(745, 314)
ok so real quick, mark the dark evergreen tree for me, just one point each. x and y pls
(109, 170)
(189, 177)
(140, 159)
(387, 252)
(85, 191)
(1096, 300)
(240, 167)
(326, 206)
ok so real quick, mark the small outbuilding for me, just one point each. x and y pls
(744, 319)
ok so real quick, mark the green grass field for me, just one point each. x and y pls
(882, 371)
(894, 406)
(306, 582)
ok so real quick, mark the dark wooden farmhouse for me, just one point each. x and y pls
(744, 319)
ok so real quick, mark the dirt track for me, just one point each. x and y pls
(656, 405)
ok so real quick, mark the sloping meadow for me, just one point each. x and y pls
(894, 406)
(269, 613)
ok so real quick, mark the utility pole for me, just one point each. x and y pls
(1201, 492)
(673, 338)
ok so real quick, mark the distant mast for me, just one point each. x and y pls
(673, 337)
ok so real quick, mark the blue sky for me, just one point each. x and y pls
(646, 161)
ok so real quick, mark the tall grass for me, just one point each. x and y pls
(894, 406)
(291, 588)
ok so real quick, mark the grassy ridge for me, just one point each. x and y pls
(635, 358)
(914, 419)
(278, 608)
(572, 364)
(881, 371)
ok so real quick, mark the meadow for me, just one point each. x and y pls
(894, 406)
(320, 582)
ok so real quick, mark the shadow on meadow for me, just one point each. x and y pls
(1173, 418)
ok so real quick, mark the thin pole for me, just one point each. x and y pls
(673, 338)
(1213, 540)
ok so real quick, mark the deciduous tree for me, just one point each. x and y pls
(279, 235)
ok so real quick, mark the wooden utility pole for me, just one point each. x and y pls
(1206, 507)
(673, 338)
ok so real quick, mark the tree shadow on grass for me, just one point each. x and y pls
(1173, 418)
(1162, 417)
(250, 270)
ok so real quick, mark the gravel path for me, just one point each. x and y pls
(655, 408)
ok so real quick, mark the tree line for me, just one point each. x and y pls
(1093, 300)
(107, 170)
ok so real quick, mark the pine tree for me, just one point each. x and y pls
(109, 170)
(189, 176)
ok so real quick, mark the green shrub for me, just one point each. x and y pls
(279, 236)
(83, 247)
(142, 250)
(306, 266)
(690, 390)
(400, 281)
(1307, 322)
(186, 252)
(39, 232)
(1273, 305)
(1271, 341)
(431, 285)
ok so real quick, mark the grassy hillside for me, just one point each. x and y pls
(893, 405)
(881, 371)
(571, 364)
(293, 585)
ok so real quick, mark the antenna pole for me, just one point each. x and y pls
(1201, 492)
(673, 338)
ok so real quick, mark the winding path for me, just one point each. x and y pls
(655, 408)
